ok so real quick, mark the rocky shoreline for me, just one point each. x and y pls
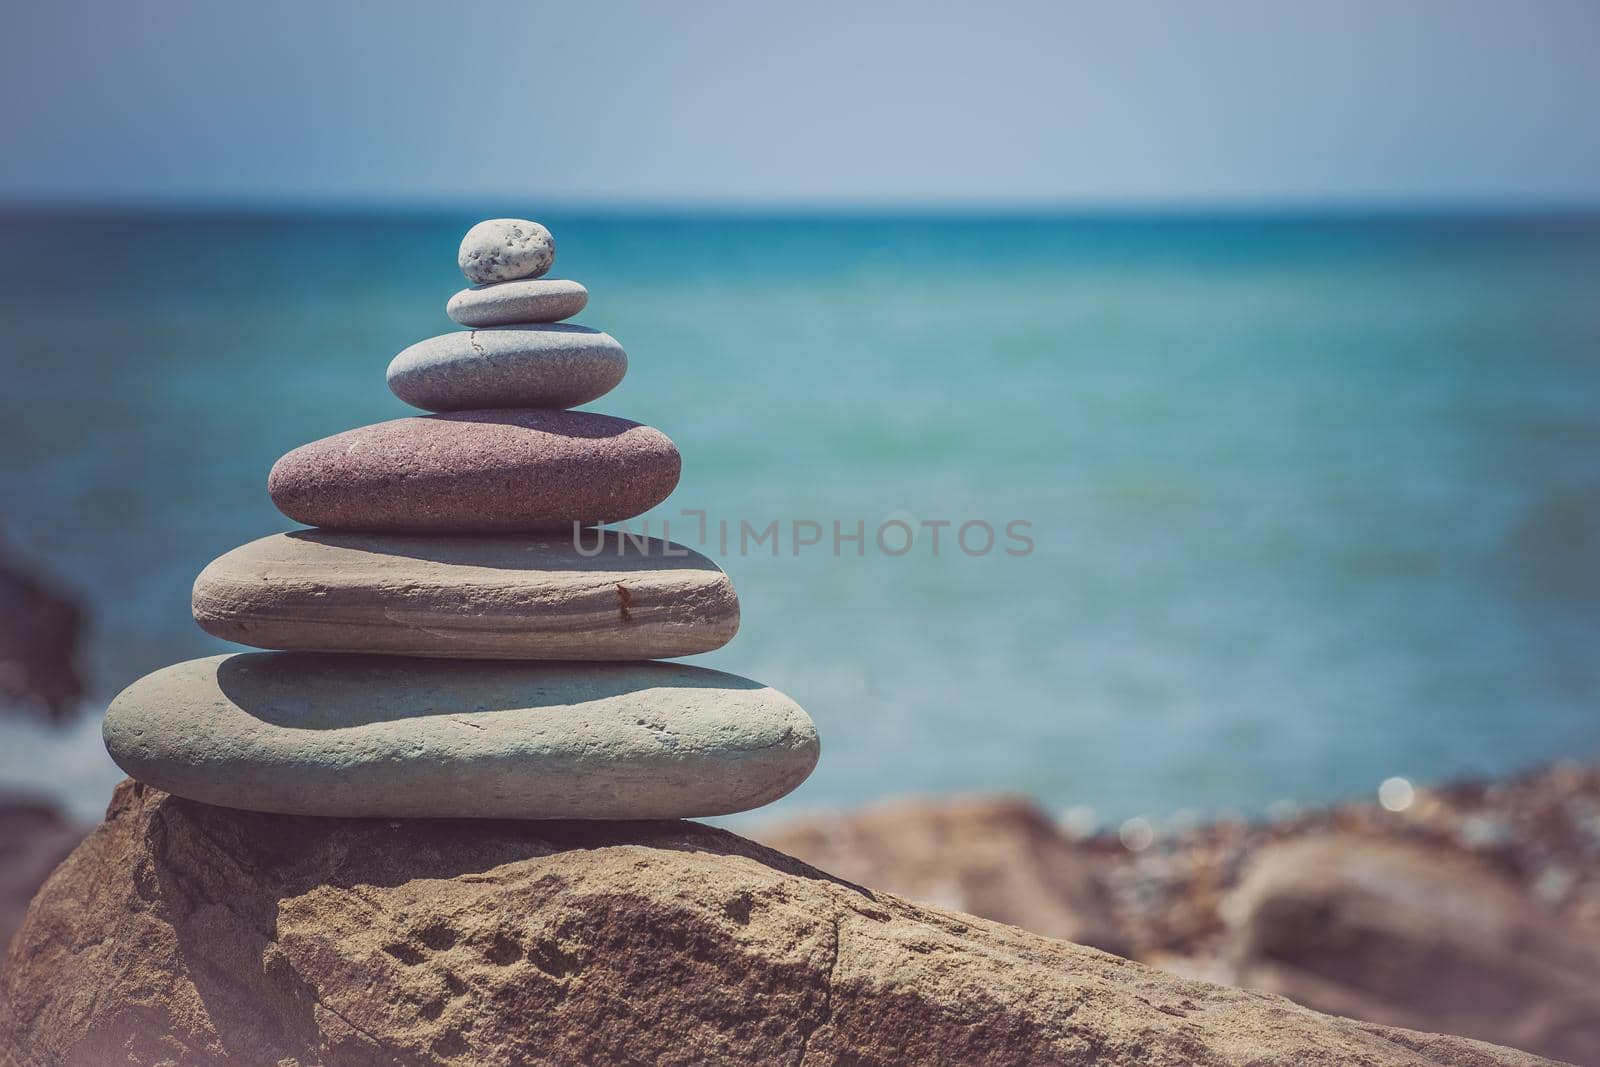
(1475, 910)
(1337, 908)
(183, 933)
(1539, 830)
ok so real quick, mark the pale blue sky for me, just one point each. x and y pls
(1433, 101)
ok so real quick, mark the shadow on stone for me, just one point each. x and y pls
(316, 690)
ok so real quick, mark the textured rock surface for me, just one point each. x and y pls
(554, 366)
(996, 857)
(34, 837)
(186, 934)
(605, 597)
(478, 472)
(314, 734)
(500, 250)
(1398, 932)
(529, 300)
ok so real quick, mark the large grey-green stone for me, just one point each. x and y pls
(313, 734)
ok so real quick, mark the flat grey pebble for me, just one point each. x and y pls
(557, 365)
(514, 303)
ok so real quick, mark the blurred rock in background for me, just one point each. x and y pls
(1392, 932)
(1472, 908)
(39, 633)
(997, 857)
(34, 838)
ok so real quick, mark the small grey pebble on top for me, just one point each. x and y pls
(500, 250)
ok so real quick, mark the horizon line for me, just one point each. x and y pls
(1086, 208)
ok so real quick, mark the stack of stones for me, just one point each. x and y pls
(445, 644)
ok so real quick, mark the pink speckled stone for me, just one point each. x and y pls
(478, 472)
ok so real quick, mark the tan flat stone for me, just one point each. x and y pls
(469, 597)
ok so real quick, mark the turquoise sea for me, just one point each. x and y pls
(1314, 501)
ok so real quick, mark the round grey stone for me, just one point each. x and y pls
(557, 365)
(511, 303)
(500, 250)
(385, 736)
(596, 595)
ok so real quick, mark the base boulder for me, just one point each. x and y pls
(187, 934)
